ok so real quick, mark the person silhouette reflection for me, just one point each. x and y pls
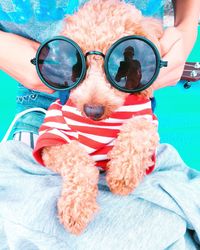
(130, 69)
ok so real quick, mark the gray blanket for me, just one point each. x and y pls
(162, 213)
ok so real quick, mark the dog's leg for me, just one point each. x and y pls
(77, 203)
(131, 155)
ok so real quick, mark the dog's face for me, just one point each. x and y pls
(96, 26)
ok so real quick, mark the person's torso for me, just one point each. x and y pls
(41, 19)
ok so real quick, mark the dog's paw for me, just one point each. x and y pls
(120, 186)
(75, 214)
(123, 178)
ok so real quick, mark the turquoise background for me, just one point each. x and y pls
(178, 111)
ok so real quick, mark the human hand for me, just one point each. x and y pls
(15, 55)
(175, 44)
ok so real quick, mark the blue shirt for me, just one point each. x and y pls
(40, 19)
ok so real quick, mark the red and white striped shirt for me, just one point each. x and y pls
(64, 123)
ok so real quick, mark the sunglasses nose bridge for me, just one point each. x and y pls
(94, 62)
(94, 52)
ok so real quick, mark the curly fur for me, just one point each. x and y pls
(77, 203)
(96, 26)
(131, 155)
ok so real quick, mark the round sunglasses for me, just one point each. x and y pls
(131, 64)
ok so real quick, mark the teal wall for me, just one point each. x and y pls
(178, 111)
(7, 101)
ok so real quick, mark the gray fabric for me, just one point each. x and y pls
(162, 213)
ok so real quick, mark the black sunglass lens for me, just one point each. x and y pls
(60, 64)
(132, 64)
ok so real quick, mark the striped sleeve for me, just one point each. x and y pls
(54, 131)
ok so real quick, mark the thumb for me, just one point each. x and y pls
(170, 36)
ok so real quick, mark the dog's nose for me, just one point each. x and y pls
(94, 112)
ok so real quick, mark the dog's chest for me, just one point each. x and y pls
(93, 135)
(99, 136)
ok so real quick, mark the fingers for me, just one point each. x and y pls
(40, 86)
(168, 79)
(170, 37)
(32, 81)
(172, 50)
(45, 89)
(36, 84)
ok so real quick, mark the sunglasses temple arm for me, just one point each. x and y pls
(33, 61)
(64, 96)
(163, 63)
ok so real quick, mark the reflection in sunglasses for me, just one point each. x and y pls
(129, 69)
(41, 61)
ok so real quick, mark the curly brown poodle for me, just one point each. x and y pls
(99, 126)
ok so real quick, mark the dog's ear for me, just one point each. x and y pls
(152, 27)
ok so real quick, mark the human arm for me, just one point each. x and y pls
(15, 55)
(177, 42)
